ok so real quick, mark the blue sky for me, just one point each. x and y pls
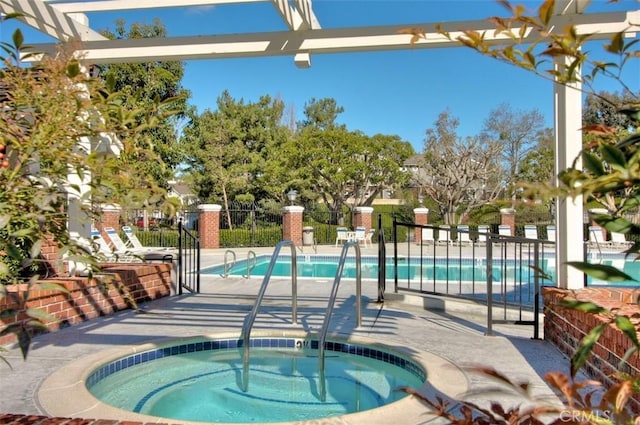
(398, 92)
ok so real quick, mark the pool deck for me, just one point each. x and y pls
(454, 334)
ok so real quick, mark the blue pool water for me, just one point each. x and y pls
(456, 269)
(201, 381)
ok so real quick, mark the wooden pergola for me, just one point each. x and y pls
(304, 37)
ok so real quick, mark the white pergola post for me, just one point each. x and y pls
(569, 212)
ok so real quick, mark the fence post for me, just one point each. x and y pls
(362, 217)
(292, 224)
(209, 225)
(421, 217)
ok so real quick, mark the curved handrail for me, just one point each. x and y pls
(228, 267)
(332, 301)
(250, 265)
(251, 317)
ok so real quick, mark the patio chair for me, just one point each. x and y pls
(504, 230)
(531, 231)
(369, 236)
(463, 235)
(444, 234)
(551, 233)
(101, 249)
(596, 237)
(342, 235)
(361, 235)
(619, 240)
(483, 230)
(146, 254)
(134, 243)
(427, 235)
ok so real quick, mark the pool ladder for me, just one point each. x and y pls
(251, 317)
(332, 300)
(251, 263)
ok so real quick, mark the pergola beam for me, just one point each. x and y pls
(49, 21)
(343, 40)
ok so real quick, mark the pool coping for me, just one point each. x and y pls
(64, 393)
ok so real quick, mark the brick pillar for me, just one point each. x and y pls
(362, 217)
(209, 225)
(109, 217)
(508, 218)
(420, 216)
(292, 224)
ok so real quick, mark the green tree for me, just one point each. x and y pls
(342, 167)
(235, 153)
(146, 84)
(463, 173)
(538, 164)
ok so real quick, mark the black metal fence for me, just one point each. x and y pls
(503, 273)
(188, 269)
(250, 224)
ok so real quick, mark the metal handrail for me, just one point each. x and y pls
(228, 267)
(251, 317)
(332, 301)
(251, 265)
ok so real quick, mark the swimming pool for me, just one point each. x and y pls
(198, 380)
(413, 268)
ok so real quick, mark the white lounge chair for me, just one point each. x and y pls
(444, 234)
(551, 233)
(596, 237)
(134, 243)
(619, 240)
(463, 235)
(342, 235)
(121, 248)
(427, 235)
(101, 249)
(483, 230)
(531, 231)
(504, 230)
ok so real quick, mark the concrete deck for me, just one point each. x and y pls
(453, 334)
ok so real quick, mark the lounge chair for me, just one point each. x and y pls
(427, 235)
(619, 240)
(596, 237)
(444, 234)
(463, 235)
(342, 235)
(483, 230)
(103, 251)
(134, 243)
(551, 233)
(120, 247)
(504, 230)
(531, 231)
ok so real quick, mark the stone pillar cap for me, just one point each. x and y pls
(110, 207)
(210, 207)
(421, 210)
(363, 209)
(507, 211)
(293, 209)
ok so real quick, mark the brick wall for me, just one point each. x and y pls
(112, 290)
(565, 328)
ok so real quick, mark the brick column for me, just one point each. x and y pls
(209, 225)
(420, 216)
(508, 218)
(292, 224)
(362, 217)
(109, 217)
